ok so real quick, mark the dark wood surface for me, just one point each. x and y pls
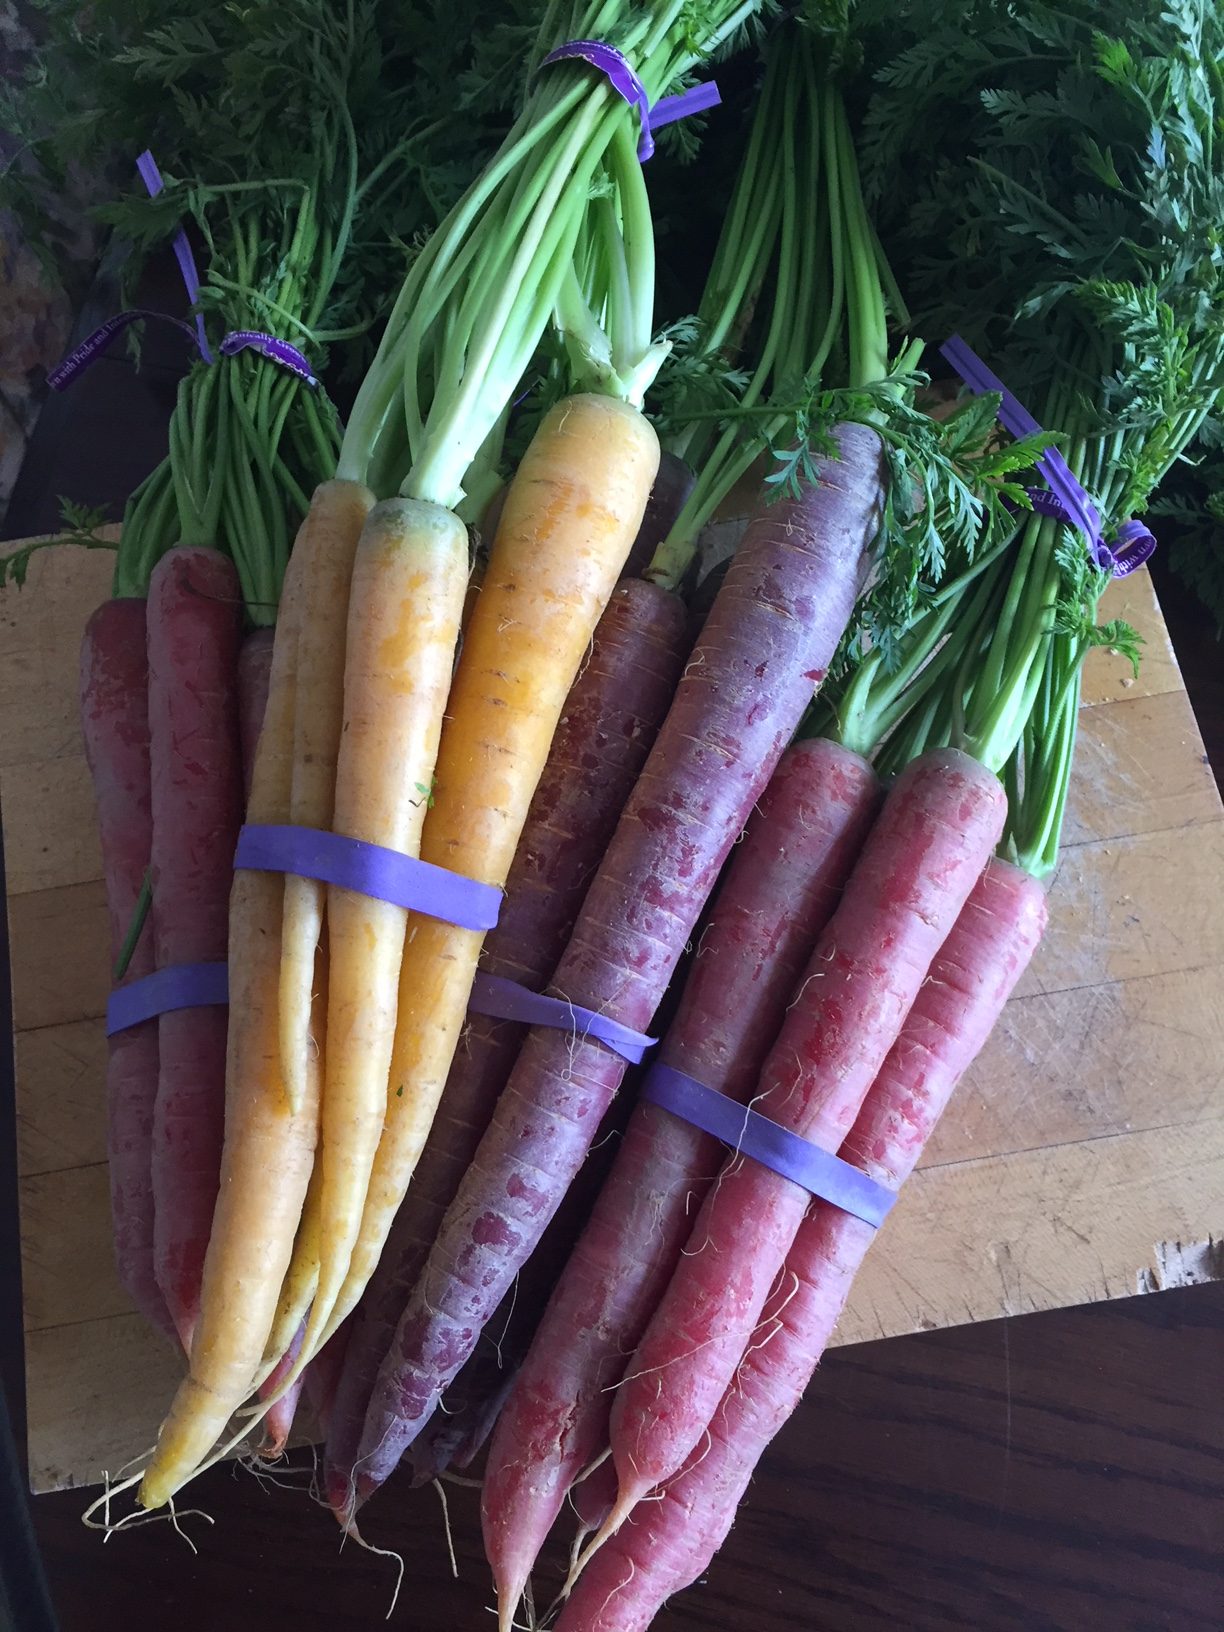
(1054, 1473)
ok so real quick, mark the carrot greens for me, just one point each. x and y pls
(1062, 214)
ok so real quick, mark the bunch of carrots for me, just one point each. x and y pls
(771, 829)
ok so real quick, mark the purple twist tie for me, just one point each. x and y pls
(182, 986)
(1073, 506)
(280, 351)
(503, 999)
(818, 1171)
(151, 176)
(369, 869)
(616, 69)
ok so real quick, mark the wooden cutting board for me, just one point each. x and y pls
(1083, 1157)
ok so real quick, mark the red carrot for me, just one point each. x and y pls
(322, 1375)
(766, 644)
(781, 890)
(609, 724)
(115, 723)
(254, 670)
(278, 1422)
(670, 1542)
(194, 617)
(940, 822)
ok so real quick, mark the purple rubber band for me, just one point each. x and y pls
(818, 1171)
(369, 869)
(280, 351)
(182, 986)
(80, 357)
(506, 1000)
(151, 176)
(1073, 506)
(616, 69)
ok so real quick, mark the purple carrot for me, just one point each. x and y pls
(195, 612)
(115, 723)
(669, 1542)
(764, 648)
(780, 891)
(672, 486)
(940, 822)
(608, 727)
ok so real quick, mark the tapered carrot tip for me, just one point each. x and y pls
(626, 1501)
(508, 1600)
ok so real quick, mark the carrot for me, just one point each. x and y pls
(269, 1151)
(408, 583)
(609, 722)
(284, 1396)
(780, 891)
(671, 1541)
(194, 627)
(764, 647)
(327, 542)
(569, 518)
(115, 723)
(254, 673)
(672, 486)
(942, 818)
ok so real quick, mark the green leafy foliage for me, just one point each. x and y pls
(1060, 206)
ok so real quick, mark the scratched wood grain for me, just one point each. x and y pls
(1085, 1145)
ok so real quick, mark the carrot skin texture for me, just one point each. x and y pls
(935, 833)
(327, 541)
(569, 518)
(672, 486)
(255, 1220)
(781, 889)
(763, 650)
(194, 629)
(114, 694)
(607, 727)
(254, 675)
(670, 1542)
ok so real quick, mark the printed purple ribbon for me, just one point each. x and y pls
(152, 178)
(368, 869)
(504, 999)
(279, 351)
(818, 1171)
(79, 359)
(616, 69)
(182, 986)
(90, 349)
(1065, 499)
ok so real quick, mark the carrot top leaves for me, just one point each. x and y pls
(1062, 195)
(526, 240)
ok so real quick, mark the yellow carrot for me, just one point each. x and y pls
(269, 1150)
(406, 600)
(326, 546)
(570, 517)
